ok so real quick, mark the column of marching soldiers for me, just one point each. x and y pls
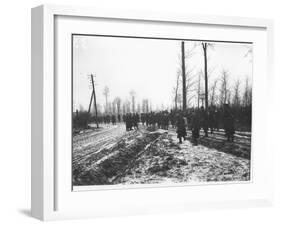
(192, 119)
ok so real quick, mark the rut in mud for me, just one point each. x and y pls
(148, 156)
(115, 161)
(168, 161)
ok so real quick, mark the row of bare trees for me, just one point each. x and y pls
(221, 91)
(185, 79)
(237, 94)
(119, 106)
(195, 89)
(191, 85)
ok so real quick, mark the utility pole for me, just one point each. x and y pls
(183, 77)
(90, 104)
(95, 103)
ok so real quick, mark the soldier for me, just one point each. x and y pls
(108, 119)
(217, 119)
(136, 119)
(113, 119)
(148, 119)
(159, 120)
(173, 119)
(152, 120)
(195, 126)
(142, 118)
(166, 121)
(188, 116)
(212, 119)
(130, 121)
(204, 120)
(228, 121)
(181, 131)
(125, 119)
(185, 119)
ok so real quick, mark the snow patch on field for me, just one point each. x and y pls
(116, 156)
(158, 131)
(169, 161)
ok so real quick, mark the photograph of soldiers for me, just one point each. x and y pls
(160, 110)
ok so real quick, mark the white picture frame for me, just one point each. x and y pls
(47, 188)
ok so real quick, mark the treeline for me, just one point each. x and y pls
(194, 89)
(237, 94)
(115, 107)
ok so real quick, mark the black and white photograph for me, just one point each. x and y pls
(152, 111)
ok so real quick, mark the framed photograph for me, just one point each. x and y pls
(137, 112)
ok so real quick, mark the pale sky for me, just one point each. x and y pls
(147, 66)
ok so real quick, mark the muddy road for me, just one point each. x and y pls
(111, 155)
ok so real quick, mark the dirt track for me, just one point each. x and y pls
(113, 156)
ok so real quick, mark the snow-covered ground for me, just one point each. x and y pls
(110, 155)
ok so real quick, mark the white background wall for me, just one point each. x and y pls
(15, 111)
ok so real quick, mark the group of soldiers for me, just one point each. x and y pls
(192, 119)
(107, 119)
(161, 119)
(131, 120)
(198, 119)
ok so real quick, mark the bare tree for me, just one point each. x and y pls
(106, 93)
(150, 105)
(183, 76)
(190, 85)
(212, 93)
(190, 98)
(180, 103)
(247, 95)
(229, 95)
(117, 101)
(224, 90)
(236, 94)
(145, 106)
(176, 89)
(138, 108)
(190, 75)
(99, 109)
(200, 73)
(124, 108)
(127, 106)
(113, 107)
(133, 96)
(109, 107)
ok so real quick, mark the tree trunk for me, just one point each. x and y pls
(183, 77)
(206, 74)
